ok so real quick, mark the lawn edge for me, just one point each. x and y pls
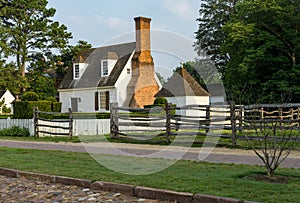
(132, 190)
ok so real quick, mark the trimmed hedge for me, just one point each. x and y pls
(24, 109)
(30, 96)
(83, 116)
(56, 106)
(159, 108)
(5, 116)
(160, 100)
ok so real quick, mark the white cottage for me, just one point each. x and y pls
(182, 89)
(8, 98)
(122, 73)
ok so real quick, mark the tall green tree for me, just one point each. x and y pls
(27, 27)
(10, 78)
(68, 54)
(262, 39)
(41, 75)
(214, 14)
(202, 70)
(46, 70)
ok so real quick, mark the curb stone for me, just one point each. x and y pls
(138, 191)
(162, 194)
(72, 181)
(199, 198)
(114, 187)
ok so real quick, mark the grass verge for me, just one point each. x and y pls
(226, 180)
(198, 141)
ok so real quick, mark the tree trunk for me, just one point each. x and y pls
(270, 172)
(23, 68)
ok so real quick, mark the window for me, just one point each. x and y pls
(128, 70)
(76, 71)
(104, 68)
(104, 100)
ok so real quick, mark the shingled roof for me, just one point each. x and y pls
(92, 75)
(181, 84)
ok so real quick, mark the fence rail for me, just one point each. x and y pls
(45, 125)
(202, 120)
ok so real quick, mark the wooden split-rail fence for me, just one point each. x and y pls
(44, 124)
(224, 121)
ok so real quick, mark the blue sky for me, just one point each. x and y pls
(102, 22)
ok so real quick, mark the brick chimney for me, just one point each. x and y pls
(143, 86)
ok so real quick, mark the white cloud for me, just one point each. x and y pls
(112, 22)
(181, 8)
(74, 19)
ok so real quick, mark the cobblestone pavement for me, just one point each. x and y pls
(21, 190)
(219, 155)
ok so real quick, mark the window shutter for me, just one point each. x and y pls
(96, 101)
(107, 99)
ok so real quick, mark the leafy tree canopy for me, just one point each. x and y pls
(27, 28)
(255, 46)
(214, 14)
(262, 39)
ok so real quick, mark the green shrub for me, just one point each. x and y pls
(103, 115)
(56, 106)
(52, 99)
(160, 109)
(24, 109)
(30, 96)
(15, 131)
(160, 100)
(5, 116)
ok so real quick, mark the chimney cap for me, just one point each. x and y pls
(142, 18)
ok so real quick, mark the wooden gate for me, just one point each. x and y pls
(45, 123)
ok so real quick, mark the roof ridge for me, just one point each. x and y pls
(114, 45)
(186, 85)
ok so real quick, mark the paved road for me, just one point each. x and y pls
(219, 155)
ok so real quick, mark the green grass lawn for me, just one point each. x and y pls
(227, 180)
(197, 142)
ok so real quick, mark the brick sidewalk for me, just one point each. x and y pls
(218, 155)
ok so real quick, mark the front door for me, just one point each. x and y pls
(74, 104)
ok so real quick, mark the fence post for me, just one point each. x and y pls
(233, 122)
(70, 123)
(207, 118)
(298, 116)
(35, 121)
(114, 130)
(241, 118)
(168, 122)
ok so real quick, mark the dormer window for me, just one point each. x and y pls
(76, 71)
(104, 68)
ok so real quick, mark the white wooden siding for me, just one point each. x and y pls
(122, 83)
(189, 100)
(8, 99)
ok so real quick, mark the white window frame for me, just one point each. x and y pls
(76, 71)
(104, 68)
(104, 98)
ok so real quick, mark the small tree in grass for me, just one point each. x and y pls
(272, 139)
